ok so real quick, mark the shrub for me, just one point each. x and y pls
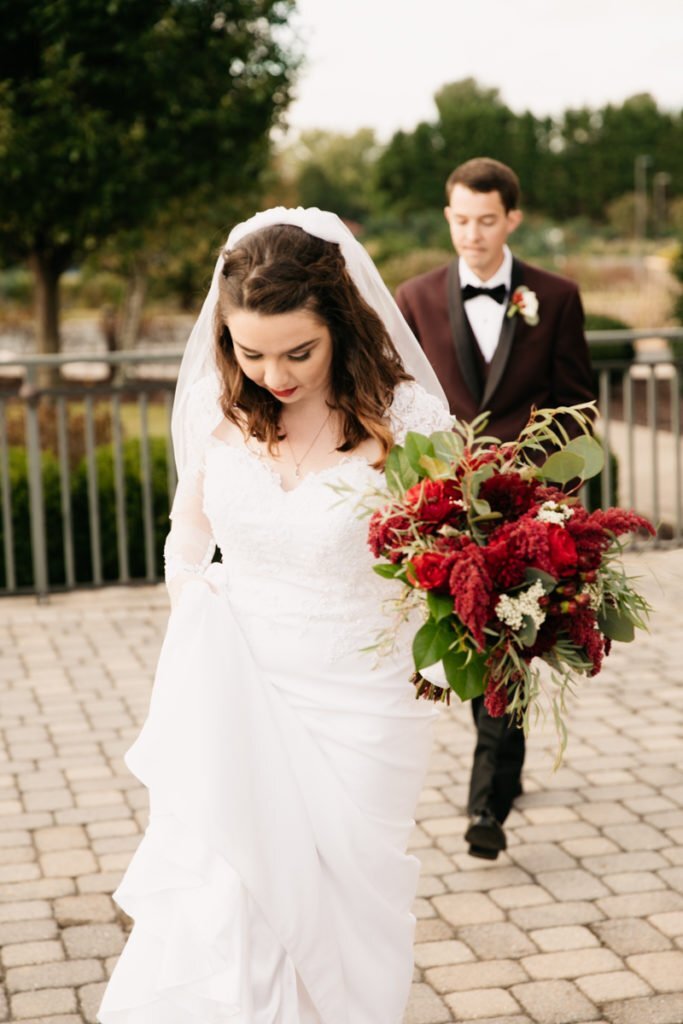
(599, 353)
(81, 517)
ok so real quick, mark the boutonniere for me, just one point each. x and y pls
(524, 302)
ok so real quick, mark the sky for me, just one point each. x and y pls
(378, 63)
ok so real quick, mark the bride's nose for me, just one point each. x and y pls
(275, 376)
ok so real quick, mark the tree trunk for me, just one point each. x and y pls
(135, 300)
(47, 270)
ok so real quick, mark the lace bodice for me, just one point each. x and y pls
(293, 555)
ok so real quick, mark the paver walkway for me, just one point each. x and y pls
(581, 920)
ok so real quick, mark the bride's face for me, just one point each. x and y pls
(289, 354)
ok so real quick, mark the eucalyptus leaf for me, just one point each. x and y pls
(561, 467)
(399, 473)
(415, 446)
(481, 507)
(549, 582)
(465, 672)
(440, 605)
(616, 625)
(388, 570)
(436, 469)
(528, 632)
(591, 451)
(447, 445)
(431, 643)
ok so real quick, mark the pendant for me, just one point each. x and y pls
(297, 474)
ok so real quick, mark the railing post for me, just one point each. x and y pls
(35, 486)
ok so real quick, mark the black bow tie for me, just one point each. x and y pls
(497, 294)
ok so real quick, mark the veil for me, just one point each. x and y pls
(192, 421)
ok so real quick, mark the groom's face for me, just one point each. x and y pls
(480, 225)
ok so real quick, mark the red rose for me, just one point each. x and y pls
(563, 553)
(430, 570)
(433, 501)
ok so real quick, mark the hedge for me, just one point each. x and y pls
(80, 514)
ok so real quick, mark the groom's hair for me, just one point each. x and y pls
(482, 174)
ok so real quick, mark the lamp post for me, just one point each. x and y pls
(640, 166)
(660, 182)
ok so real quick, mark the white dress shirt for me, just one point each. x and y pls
(484, 314)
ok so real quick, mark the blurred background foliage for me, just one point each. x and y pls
(122, 176)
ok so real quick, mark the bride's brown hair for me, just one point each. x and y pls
(281, 269)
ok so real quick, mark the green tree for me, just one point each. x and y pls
(109, 112)
(333, 170)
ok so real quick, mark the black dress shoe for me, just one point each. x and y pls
(486, 836)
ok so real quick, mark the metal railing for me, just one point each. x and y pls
(86, 477)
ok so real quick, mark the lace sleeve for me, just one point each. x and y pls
(190, 545)
(413, 408)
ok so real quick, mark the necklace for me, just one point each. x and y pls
(299, 462)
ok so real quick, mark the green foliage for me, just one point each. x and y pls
(570, 166)
(81, 516)
(333, 171)
(112, 112)
(623, 352)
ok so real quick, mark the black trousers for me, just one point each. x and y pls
(497, 766)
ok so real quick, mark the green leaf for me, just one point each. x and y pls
(417, 445)
(431, 642)
(399, 473)
(549, 582)
(562, 467)
(447, 445)
(465, 672)
(591, 451)
(440, 605)
(529, 631)
(480, 507)
(436, 469)
(615, 625)
(388, 570)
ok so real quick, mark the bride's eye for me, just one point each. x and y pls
(300, 359)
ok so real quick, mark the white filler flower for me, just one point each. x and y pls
(511, 610)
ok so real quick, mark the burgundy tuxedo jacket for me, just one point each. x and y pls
(544, 366)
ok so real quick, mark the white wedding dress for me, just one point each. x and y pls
(283, 762)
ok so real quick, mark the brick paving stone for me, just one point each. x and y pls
(22, 953)
(601, 988)
(520, 896)
(432, 930)
(482, 1003)
(56, 975)
(647, 1010)
(24, 910)
(663, 970)
(93, 940)
(32, 1004)
(484, 880)
(90, 997)
(634, 881)
(27, 931)
(434, 954)
(636, 836)
(496, 941)
(467, 908)
(572, 885)
(550, 940)
(555, 1002)
(643, 904)
(484, 974)
(553, 915)
(93, 908)
(68, 863)
(425, 1007)
(630, 935)
(61, 837)
(670, 924)
(570, 963)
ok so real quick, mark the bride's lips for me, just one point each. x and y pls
(284, 394)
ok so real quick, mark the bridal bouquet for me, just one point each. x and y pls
(508, 565)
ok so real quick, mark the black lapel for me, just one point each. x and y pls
(461, 331)
(505, 338)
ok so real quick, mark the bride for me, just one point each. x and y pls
(283, 760)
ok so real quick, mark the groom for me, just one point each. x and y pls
(503, 336)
